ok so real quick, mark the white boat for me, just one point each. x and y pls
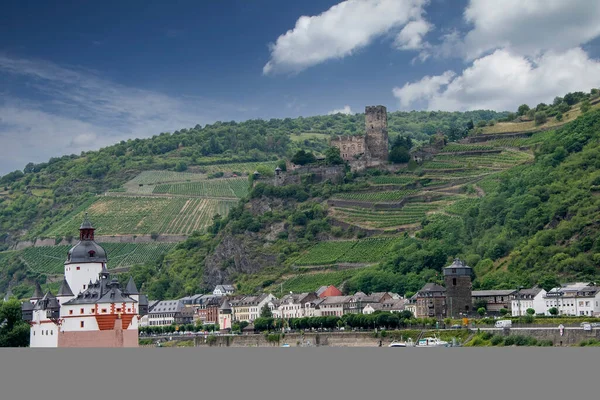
(432, 342)
(408, 343)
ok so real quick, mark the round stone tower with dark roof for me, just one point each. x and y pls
(457, 278)
(86, 260)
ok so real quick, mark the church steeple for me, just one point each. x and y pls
(86, 230)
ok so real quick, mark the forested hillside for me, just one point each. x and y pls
(521, 209)
(532, 222)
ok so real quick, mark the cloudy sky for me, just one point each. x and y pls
(80, 75)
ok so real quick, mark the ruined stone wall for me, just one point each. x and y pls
(377, 132)
(349, 146)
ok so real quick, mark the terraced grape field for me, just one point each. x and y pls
(158, 177)
(411, 213)
(248, 167)
(324, 253)
(459, 207)
(145, 215)
(505, 159)
(392, 195)
(50, 259)
(310, 282)
(392, 180)
(449, 163)
(368, 250)
(456, 147)
(233, 187)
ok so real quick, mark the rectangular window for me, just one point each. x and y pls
(104, 310)
(78, 268)
(81, 323)
(70, 312)
(81, 311)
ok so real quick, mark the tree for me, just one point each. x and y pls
(559, 116)
(503, 311)
(585, 106)
(540, 117)
(181, 166)
(530, 311)
(480, 304)
(333, 157)
(265, 312)
(523, 109)
(302, 158)
(399, 155)
(553, 311)
(14, 332)
(481, 311)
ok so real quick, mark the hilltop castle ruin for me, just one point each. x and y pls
(370, 149)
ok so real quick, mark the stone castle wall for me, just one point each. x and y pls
(349, 146)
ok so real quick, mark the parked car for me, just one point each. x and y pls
(456, 326)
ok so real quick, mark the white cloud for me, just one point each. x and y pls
(424, 89)
(530, 27)
(342, 30)
(83, 111)
(411, 36)
(503, 80)
(345, 110)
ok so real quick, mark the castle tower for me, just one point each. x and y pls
(457, 278)
(100, 314)
(376, 132)
(86, 260)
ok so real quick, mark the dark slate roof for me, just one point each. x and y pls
(37, 294)
(26, 306)
(86, 251)
(432, 287)
(114, 294)
(131, 288)
(225, 306)
(65, 289)
(101, 291)
(485, 293)
(86, 224)
(166, 306)
(46, 302)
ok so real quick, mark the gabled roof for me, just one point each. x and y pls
(167, 306)
(65, 289)
(101, 291)
(432, 287)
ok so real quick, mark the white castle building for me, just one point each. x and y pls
(101, 314)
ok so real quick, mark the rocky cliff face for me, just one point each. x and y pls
(243, 253)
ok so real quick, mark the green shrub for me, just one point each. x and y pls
(509, 340)
(497, 340)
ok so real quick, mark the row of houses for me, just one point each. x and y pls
(433, 301)
(224, 309)
(570, 299)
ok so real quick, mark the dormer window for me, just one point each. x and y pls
(91, 253)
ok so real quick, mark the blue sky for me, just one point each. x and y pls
(79, 75)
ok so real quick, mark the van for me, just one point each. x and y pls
(505, 323)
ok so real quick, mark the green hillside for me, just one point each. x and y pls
(520, 209)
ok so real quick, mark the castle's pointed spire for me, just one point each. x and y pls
(131, 288)
(37, 294)
(65, 289)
